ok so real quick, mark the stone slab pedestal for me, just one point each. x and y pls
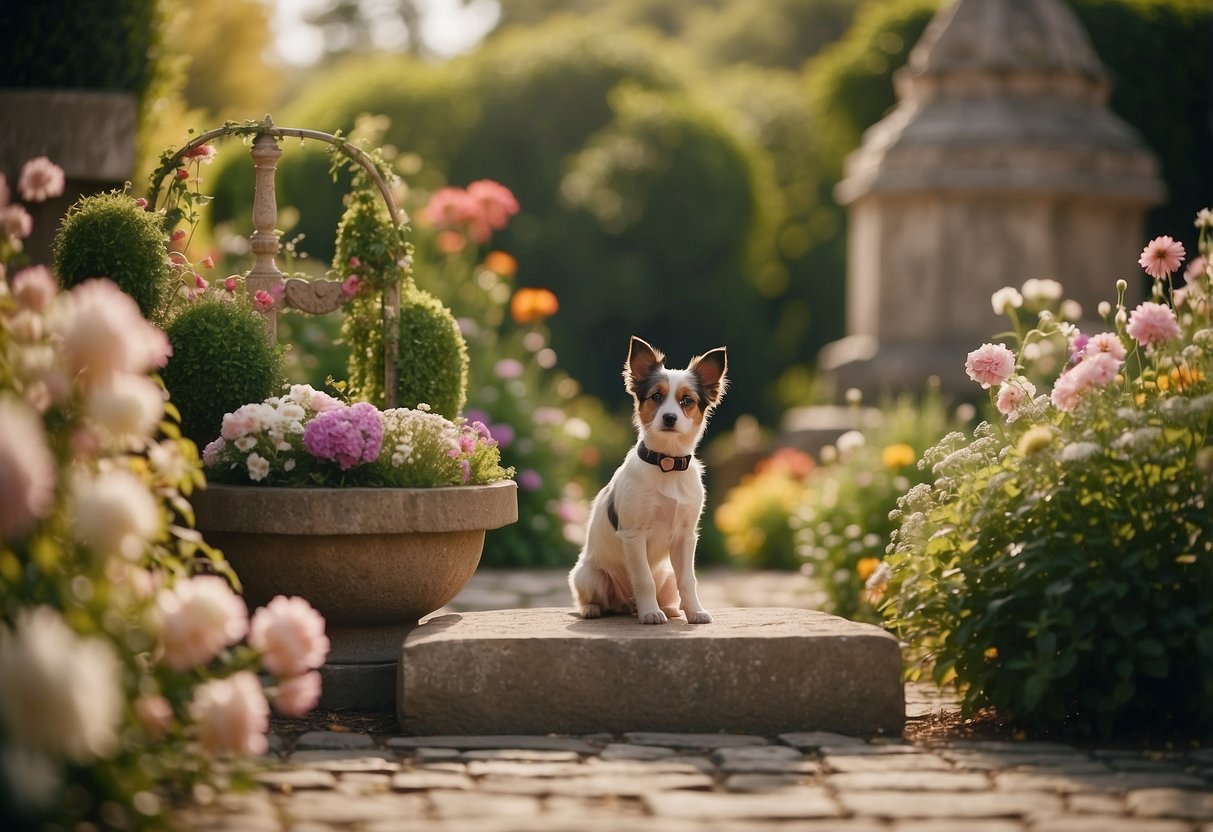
(758, 671)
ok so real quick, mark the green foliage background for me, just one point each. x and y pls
(675, 162)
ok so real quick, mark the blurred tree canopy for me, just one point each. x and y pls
(675, 161)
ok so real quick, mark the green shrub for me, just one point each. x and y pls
(108, 235)
(433, 361)
(221, 360)
(1059, 567)
(80, 45)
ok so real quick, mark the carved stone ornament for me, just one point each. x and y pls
(313, 296)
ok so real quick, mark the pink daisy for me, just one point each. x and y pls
(1151, 324)
(990, 364)
(1161, 257)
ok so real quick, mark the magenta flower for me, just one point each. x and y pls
(1161, 257)
(262, 299)
(350, 286)
(990, 364)
(1151, 324)
(40, 180)
(346, 435)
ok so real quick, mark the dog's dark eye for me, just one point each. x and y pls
(686, 401)
(657, 397)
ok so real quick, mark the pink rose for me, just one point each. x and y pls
(351, 285)
(990, 364)
(263, 299)
(232, 715)
(198, 618)
(289, 633)
(297, 696)
(231, 282)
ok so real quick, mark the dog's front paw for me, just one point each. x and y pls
(654, 617)
(591, 611)
(699, 617)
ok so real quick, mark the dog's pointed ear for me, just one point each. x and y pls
(712, 369)
(642, 360)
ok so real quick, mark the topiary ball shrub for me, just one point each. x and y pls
(221, 360)
(108, 235)
(432, 366)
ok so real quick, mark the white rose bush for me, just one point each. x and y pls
(131, 673)
(1059, 567)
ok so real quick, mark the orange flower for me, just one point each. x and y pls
(451, 242)
(898, 456)
(532, 306)
(501, 263)
(1181, 377)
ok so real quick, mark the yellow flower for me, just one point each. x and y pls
(897, 456)
(865, 567)
(1036, 439)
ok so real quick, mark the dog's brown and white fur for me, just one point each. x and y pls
(639, 553)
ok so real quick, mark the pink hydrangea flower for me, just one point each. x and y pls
(1151, 324)
(232, 715)
(40, 180)
(289, 633)
(1161, 257)
(346, 435)
(296, 697)
(990, 364)
(198, 618)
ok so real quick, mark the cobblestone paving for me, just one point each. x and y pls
(330, 780)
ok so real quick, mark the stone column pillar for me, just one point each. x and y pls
(1001, 162)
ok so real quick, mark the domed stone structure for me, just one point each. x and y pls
(1001, 162)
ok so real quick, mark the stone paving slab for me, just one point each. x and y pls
(617, 781)
(761, 670)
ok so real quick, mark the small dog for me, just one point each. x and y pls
(639, 552)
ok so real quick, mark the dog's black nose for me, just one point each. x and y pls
(669, 419)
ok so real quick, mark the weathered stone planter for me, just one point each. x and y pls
(373, 561)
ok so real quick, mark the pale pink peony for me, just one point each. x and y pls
(1106, 343)
(60, 693)
(290, 635)
(212, 452)
(297, 696)
(114, 513)
(27, 470)
(990, 364)
(1151, 324)
(1161, 257)
(232, 715)
(34, 288)
(198, 618)
(1098, 370)
(155, 714)
(40, 180)
(127, 406)
(15, 222)
(1013, 393)
(103, 332)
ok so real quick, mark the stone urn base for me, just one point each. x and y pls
(372, 561)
